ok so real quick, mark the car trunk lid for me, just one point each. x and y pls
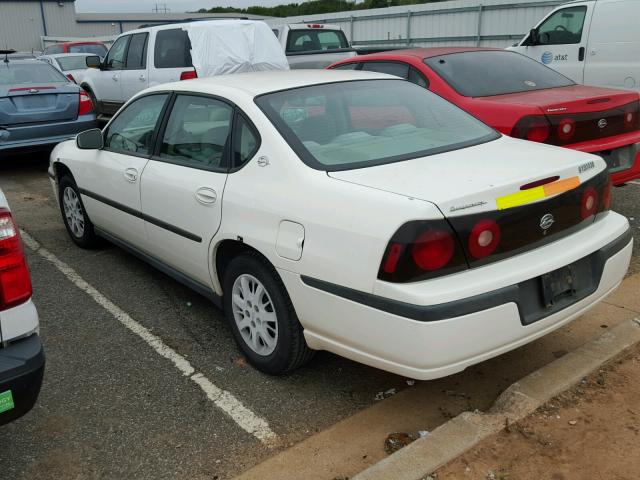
(38, 103)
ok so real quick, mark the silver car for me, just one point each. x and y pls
(39, 106)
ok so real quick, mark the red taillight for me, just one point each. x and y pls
(484, 238)
(393, 255)
(433, 249)
(631, 116)
(70, 77)
(606, 195)
(566, 129)
(188, 75)
(589, 203)
(315, 25)
(86, 105)
(15, 282)
(535, 128)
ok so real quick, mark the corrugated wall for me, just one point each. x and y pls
(20, 25)
(496, 23)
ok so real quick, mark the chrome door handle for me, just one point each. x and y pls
(206, 195)
(131, 174)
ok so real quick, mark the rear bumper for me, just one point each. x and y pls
(428, 339)
(608, 144)
(35, 137)
(21, 372)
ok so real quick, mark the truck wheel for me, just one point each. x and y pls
(262, 317)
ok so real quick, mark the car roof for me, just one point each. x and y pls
(22, 61)
(178, 25)
(59, 55)
(258, 83)
(423, 53)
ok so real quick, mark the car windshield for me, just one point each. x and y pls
(93, 49)
(72, 63)
(313, 39)
(487, 73)
(28, 73)
(354, 124)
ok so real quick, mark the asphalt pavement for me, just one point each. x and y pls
(111, 406)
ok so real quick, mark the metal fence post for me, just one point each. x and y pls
(479, 29)
(351, 20)
(408, 27)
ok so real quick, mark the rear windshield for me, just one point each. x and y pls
(93, 49)
(315, 40)
(29, 73)
(356, 124)
(486, 73)
(172, 49)
(72, 63)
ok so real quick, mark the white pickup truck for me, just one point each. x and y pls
(313, 45)
(21, 353)
(154, 55)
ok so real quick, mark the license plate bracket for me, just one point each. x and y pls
(558, 285)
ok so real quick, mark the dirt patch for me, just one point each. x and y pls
(591, 431)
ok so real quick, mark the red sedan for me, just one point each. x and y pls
(525, 99)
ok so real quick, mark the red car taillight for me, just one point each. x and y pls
(566, 129)
(15, 282)
(420, 250)
(484, 238)
(188, 75)
(535, 128)
(589, 203)
(70, 77)
(86, 105)
(631, 116)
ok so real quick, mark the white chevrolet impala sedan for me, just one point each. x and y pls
(351, 212)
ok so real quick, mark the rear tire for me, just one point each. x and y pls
(74, 216)
(261, 316)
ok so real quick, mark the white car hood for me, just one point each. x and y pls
(470, 180)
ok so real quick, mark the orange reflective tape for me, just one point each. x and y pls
(561, 186)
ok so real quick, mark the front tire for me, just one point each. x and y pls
(261, 315)
(74, 216)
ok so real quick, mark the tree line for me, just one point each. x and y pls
(313, 7)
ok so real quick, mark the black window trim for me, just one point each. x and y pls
(105, 132)
(144, 52)
(308, 159)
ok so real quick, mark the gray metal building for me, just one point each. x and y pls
(27, 25)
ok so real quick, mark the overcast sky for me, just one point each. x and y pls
(173, 5)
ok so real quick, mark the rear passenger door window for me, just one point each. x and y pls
(418, 78)
(172, 49)
(137, 52)
(197, 133)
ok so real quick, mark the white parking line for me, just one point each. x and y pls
(225, 401)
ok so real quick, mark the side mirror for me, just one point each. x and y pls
(534, 37)
(90, 139)
(93, 61)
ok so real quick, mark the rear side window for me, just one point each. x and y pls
(494, 72)
(316, 40)
(93, 49)
(197, 132)
(53, 49)
(172, 49)
(132, 130)
(137, 53)
(396, 69)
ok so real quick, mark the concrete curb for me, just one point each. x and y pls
(458, 435)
